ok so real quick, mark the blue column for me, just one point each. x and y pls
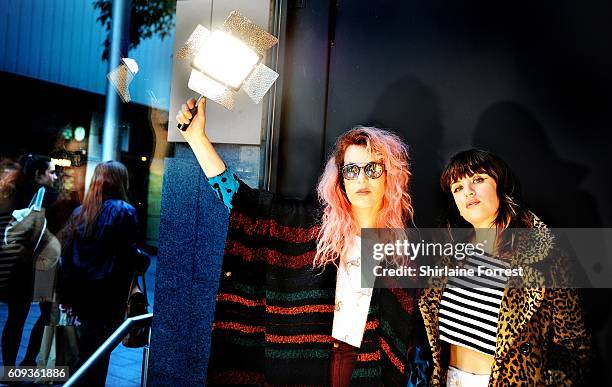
(119, 43)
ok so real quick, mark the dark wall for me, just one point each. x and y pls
(34, 112)
(303, 112)
(528, 81)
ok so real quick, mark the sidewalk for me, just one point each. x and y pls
(125, 364)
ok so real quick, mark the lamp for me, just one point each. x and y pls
(227, 60)
(122, 76)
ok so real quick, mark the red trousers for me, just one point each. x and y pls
(343, 361)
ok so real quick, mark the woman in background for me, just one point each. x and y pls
(20, 181)
(98, 262)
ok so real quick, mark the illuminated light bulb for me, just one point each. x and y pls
(226, 59)
(61, 162)
(79, 133)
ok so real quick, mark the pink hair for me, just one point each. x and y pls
(338, 223)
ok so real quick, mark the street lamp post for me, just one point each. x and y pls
(119, 43)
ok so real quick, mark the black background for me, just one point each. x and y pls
(528, 80)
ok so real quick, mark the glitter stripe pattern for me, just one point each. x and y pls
(274, 314)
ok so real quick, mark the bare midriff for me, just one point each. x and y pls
(470, 361)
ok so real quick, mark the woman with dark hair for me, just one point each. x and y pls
(483, 331)
(39, 171)
(290, 309)
(98, 261)
(19, 182)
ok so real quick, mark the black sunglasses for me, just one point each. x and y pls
(373, 170)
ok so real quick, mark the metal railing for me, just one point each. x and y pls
(111, 343)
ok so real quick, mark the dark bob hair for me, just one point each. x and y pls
(512, 211)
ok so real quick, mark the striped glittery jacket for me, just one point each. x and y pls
(274, 312)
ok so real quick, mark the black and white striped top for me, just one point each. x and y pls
(469, 310)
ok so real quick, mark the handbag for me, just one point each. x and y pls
(28, 224)
(137, 304)
(46, 260)
(21, 239)
(60, 342)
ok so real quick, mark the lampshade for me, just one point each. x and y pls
(122, 76)
(227, 60)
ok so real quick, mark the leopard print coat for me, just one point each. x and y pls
(541, 335)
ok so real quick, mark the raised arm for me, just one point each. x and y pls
(226, 184)
(207, 156)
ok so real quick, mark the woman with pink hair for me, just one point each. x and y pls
(290, 308)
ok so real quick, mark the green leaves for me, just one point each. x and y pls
(147, 18)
